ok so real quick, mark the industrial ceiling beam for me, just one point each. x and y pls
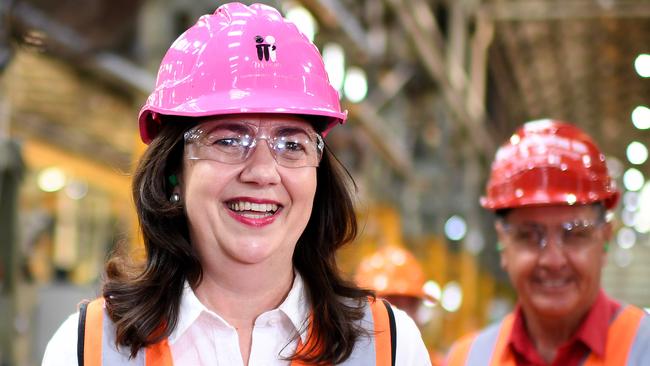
(551, 10)
(371, 122)
(424, 42)
(335, 14)
(69, 44)
(366, 113)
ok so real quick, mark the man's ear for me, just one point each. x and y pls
(608, 231)
(500, 230)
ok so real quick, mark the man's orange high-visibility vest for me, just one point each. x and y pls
(628, 343)
(96, 341)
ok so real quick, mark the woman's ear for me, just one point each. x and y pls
(176, 191)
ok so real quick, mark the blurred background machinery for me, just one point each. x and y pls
(432, 87)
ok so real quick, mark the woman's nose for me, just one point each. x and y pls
(261, 167)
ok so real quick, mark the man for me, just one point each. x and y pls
(551, 192)
(395, 274)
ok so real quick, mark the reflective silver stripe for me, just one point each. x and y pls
(364, 352)
(111, 356)
(640, 352)
(482, 349)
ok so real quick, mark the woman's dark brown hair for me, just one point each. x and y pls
(143, 300)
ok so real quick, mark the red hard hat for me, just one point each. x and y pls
(549, 162)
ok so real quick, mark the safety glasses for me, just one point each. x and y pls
(570, 236)
(292, 144)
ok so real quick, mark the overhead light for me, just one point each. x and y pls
(76, 190)
(474, 243)
(633, 179)
(356, 85)
(452, 297)
(623, 257)
(631, 201)
(642, 65)
(334, 60)
(641, 220)
(51, 179)
(432, 289)
(455, 228)
(303, 19)
(637, 153)
(641, 117)
(626, 238)
(628, 217)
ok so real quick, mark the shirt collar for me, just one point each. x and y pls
(591, 332)
(295, 307)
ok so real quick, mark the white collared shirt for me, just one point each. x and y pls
(202, 337)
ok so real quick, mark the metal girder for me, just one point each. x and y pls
(335, 14)
(74, 46)
(547, 10)
(431, 50)
(397, 157)
(371, 121)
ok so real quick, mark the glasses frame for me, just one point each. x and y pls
(195, 135)
(559, 230)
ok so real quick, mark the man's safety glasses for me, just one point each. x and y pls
(571, 235)
(232, 142)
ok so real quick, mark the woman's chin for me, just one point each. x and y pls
(252, 252)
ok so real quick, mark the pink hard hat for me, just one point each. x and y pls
(241, 59)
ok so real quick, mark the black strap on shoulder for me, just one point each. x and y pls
(81, 332)
(393, 332)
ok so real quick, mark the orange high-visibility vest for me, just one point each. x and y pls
(628, 343)
(96, 343)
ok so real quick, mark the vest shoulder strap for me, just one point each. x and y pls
(459, 351)
(502, 356)
(393, 332)
(620, 338)
(96, 341)
(81, 332)
(488, 347)
(384, 324)
(90, 332)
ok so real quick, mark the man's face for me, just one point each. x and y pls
(554, 256)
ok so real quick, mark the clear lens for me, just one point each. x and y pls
(232, 142)
(573, 235)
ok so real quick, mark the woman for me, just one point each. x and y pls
(242, 208)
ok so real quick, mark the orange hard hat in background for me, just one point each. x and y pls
(549, 162)
(392, 270)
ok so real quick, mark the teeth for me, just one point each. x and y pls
(255, 207)
(554, 283)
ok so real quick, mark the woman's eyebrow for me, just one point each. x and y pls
(241, 127)
(292, 129)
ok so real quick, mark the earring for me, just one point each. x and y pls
(175, 198)
(173, 180)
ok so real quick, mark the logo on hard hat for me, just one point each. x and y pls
(265, 48)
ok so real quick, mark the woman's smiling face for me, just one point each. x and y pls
(251, 211)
